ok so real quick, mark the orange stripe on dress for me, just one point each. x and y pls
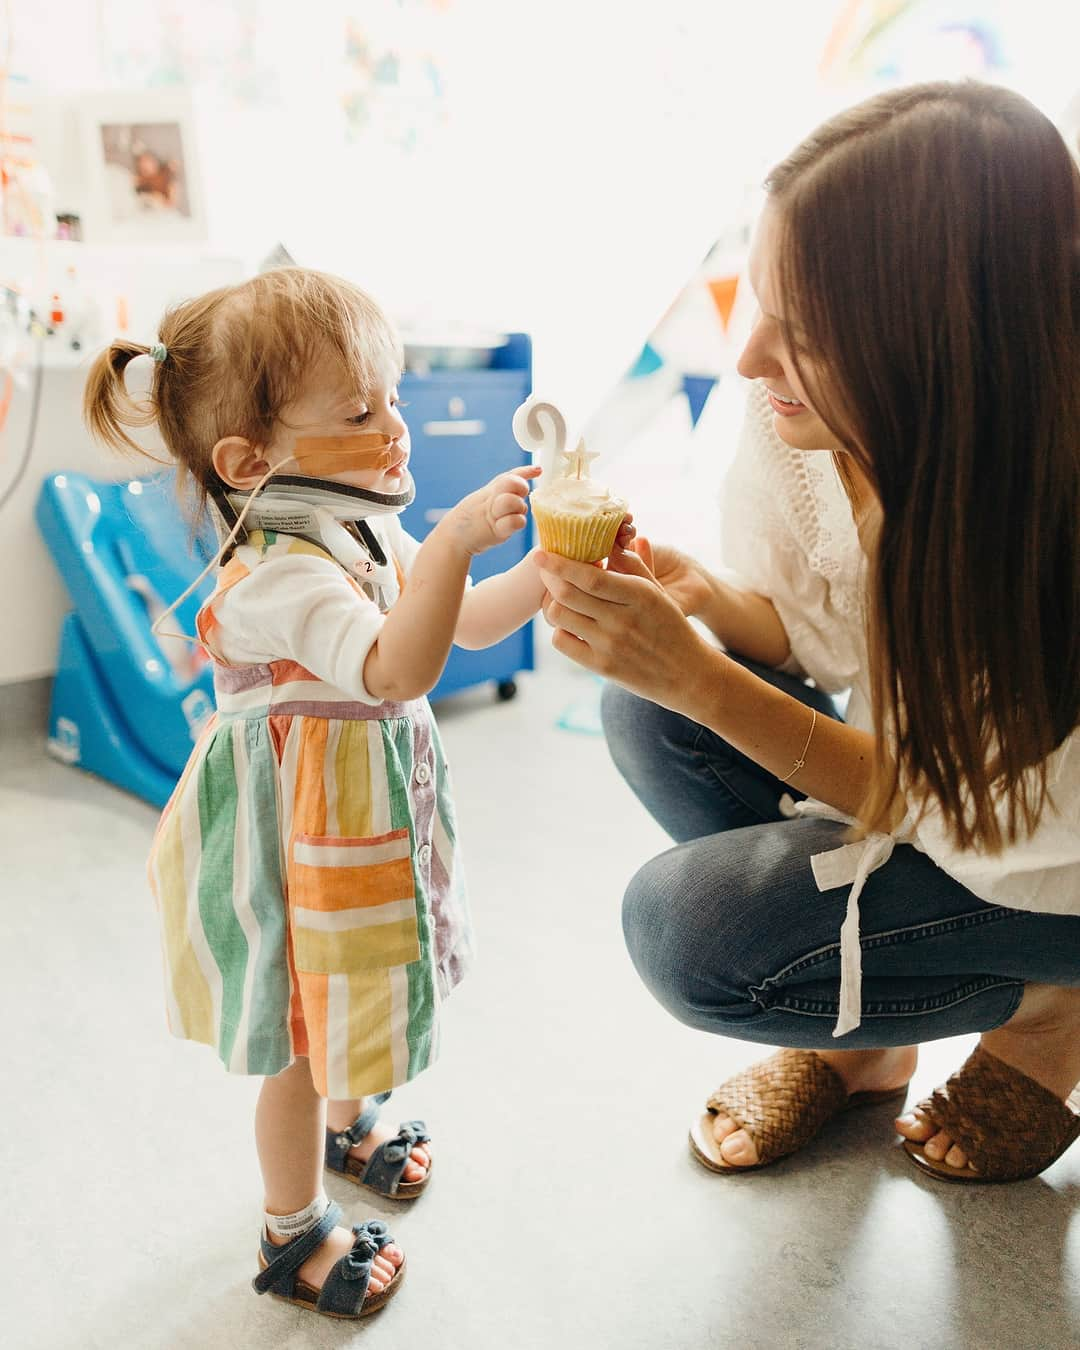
(289, 672)
(334, 888)
(309, 799)
(206, 621)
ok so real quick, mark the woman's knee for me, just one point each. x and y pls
(678, 931)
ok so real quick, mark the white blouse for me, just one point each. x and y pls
(789, 534)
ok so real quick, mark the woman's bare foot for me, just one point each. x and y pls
(861, 1071)
(1041, 1039)
(338, 1242)
(340, 1115)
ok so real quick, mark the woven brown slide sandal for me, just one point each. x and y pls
(783, 1102)
(1010, 1127)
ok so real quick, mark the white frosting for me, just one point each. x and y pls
(579, 496)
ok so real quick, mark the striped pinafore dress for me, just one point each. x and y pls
(305, 874)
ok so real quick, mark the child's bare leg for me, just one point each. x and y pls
(289, 1124)
(341, 1114)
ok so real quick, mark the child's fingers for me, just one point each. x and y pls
(516, 480)
(505, 526)
(509, 503)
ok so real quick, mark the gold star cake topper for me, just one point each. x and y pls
(577, 463)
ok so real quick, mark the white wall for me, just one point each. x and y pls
(32, 598)
(588, 153)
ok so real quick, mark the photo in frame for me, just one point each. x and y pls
(141, 168)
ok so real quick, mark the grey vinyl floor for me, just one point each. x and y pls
(565, 1211)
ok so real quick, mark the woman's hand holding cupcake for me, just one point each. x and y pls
(620, 621)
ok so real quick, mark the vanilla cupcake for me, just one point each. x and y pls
(575, 516)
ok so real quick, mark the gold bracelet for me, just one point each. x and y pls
(800, 763)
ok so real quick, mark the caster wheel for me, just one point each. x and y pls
(506, 690)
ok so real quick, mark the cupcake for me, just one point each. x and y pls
(575, 516)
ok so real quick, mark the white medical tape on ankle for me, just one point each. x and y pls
(292, 1225)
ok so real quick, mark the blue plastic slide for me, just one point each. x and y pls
(126, 705)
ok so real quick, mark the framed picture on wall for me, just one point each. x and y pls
(141, 167)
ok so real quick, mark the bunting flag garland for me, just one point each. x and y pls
(697, 389)
(647, 363)
(722, 290)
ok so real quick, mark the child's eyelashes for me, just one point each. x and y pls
(361, 418)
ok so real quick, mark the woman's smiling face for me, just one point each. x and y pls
(767, 354)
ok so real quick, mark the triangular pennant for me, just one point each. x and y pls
(722, 290)
(647, 363)
(697, 389)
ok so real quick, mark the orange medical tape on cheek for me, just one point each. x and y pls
(318, 455)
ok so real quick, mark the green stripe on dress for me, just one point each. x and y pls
(224, 935)
(398, 748)
(269, 1040)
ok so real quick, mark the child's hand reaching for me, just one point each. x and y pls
(494, 512)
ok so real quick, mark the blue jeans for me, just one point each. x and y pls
(730, 933)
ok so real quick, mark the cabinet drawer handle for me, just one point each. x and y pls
(436, 514)
(464, 427)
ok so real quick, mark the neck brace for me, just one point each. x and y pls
(314, 509)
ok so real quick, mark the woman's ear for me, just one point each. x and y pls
(239, 463)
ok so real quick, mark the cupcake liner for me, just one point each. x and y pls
(584, 538)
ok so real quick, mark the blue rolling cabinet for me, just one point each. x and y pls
(459, 424)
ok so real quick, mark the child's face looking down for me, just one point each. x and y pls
(325, 412)
(328, 411)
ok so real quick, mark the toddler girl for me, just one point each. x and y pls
(305, 867)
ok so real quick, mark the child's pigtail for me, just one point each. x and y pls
(108, 407)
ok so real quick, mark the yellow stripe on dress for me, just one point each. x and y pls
(190, 1007)
(372, 948)
(352, 770)
(191, 827)
(368, 1015)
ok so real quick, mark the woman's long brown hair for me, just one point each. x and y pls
(930, 260)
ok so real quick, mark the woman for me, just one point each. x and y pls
(904, 509)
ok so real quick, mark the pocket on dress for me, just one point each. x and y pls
(352, 903)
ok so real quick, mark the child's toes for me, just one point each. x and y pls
(381, 1269)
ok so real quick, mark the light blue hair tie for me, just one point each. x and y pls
(159, 351)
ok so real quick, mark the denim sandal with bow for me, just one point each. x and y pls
(345, 1291)
(382, 1172)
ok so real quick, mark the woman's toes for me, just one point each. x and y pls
(420, 1155)
(937, 1146)
(915, 1126)
(722, 1126)
(739, 1149)
(956, 1157)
